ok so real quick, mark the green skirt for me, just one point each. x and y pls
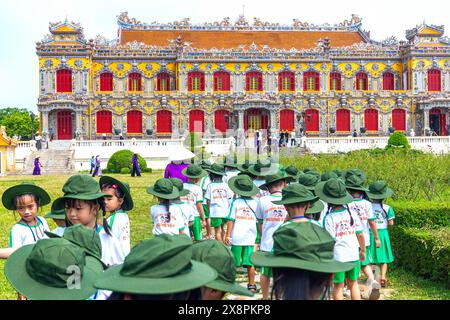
(383, 254)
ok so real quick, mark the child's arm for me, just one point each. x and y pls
(201, 212)
(391, 222)
(230, 225)
(6, 252)
(362, 246)
(373, 227)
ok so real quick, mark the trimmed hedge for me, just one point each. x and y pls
(122, 159)
(422, 251)
(421, 214)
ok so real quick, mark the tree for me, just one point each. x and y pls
(18, 122)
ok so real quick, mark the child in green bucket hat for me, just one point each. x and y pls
(59, 217)
(241, 228)
(53, 269)
(384, 218)
(195, 198)
(231, 167)
(292, 172)
(302, 262)
(186, 209)
(119, 202)
(161, 268)
(363, 208)
(345, 227)
(218, 196)
(220, 258)
(167, 217)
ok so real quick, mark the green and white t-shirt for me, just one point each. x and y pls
(309, 221)
(194, 196)
(338, 225)
(323, 213)
(262, 193)
(363, 209)
(381, 217)
(242, 212)
(204, 182)
(119, 224)
(219, 195)
(22, 234)
(230, 174)
(273, 217)
(164, 222)
(188, 215)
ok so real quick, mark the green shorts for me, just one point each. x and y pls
(196, 229)
(217, 222)
(206, 210)
(242, 255)
(266, 271)
(352, 274)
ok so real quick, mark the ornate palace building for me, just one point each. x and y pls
(165, 79)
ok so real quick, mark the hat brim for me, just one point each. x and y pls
(268, 259)
(169, 196)
(317, 207)
(265, 185)
(128, 203)
(357, 188)
(201, 175)
(339, 201)
(229, 287)
(235, 189)
(199, 275)
(310, 188)
(51, 215)
(184, 192)
(297, 200)
(19, 278)
(216, 172)
(379, 196)
(22, 189)
(58, 204)
(242, 168)
(269, 171)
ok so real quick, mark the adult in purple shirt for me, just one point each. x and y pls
(135, 166)
(173, 170)
(37, 167)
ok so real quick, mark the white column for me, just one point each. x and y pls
(241, 119)
(78, 122)
(44, 128)
(426, 119)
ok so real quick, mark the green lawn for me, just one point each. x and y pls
(405, 285)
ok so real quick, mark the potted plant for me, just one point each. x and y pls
(117, 131)
(363, 130)
(391, 130)
(149, 132)
(332, 130)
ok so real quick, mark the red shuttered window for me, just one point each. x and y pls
(134, 82)
(361, 81)
(342, 120)
(220, 121)
(63, 80)
(371, 120)
(311, 81)
(388, 81)
(196, 121)
(312, 120)
(253, 81)
(434, 80)
(221, 81)
(196, 81)
(287, 120)
(399, 119)
(134, 121)
(335, 81)
(106, 81)
(164, 121)
(286, 81)
(163, 82)
(104, 121)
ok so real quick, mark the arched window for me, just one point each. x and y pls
(335, 81)
(371, 119)
(63, 80)
(134, 121)
(312, 120)
(253, 81)
(163, 82)
(287, 120)
(196, 121)
(342, 120)
(220, 120)
(361, 81)
(286, 81)
(434, 80)
(221, 81)
(311, 81)
(399, 119)
(104, 121)
(196, 81)
(134, 82)
(164, 121)
(388, 81)
(106, 81)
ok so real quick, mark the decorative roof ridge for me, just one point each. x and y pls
(56, 25)
(412, 32)
(241, 24)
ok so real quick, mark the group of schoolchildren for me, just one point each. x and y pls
(306, 232)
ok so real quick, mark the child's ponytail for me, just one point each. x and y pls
(352, 222)
(101, 202)
(382, 208)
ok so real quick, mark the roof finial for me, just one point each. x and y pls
(243, 10)
(66, 21)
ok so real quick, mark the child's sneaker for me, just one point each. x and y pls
(346, 292)
(373, 290)
(383, 283)
(253, 288)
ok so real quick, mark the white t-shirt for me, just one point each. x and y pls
(59, 231)
(363, 209)
(242, 212)
(273, 217)
(219, 194)
(195, 196)
(204, 182)
(262, 193)
(337, 223)
(323, 213)
(165, 224)
(188, 215)
(119, 224)
(382, 218)
(22, 234)
(230, 174)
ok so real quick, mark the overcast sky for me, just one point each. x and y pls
(24, 22)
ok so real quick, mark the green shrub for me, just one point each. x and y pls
(125, 171)
(423, 252)
(122, 159)
(421, 214)
(148, 170)
(398, 140)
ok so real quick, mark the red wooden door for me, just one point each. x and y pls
(104, 121)
(220, 122)
(312, 120)
(342, 120)
(399, 119)
(371, 120)
(64, 124)
(134, 121)
(164, 121)
(287, 120)
(196, 121)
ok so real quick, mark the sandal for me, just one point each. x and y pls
(383, 283)
(253, 288)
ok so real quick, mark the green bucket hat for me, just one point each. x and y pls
(317, 207)
(205, 164)
(357, 172)
(125, 187)
(84, 237)
(164, 188)
(328, 175)
(57, 215)
(280, 175)
(22, 189)
(245, 166)
(333, 191)
(308, 180)
(81, 187)
(303, 246)
(178, 183)
(161, 265)
(340, 173)
(263, 168)
(218, 169)
(296, 193)
(292, 172)
(194, 171)
(45, 271)
(306, 170)
(230, 161)
(354, 182)
(220, 258)
(243, 185)
(379, 191)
